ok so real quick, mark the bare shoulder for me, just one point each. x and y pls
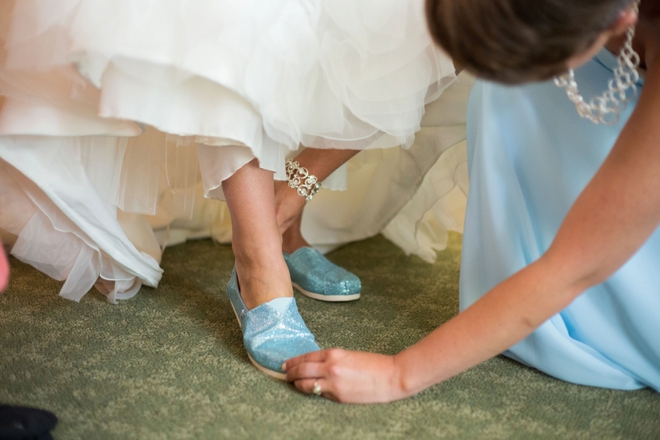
(648, 32)
(641, 135)
(648, 37)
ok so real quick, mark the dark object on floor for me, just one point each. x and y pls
(21, 423)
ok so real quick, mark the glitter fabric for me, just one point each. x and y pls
(317, 277)
(270, 336)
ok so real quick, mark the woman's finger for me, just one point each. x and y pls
(317, 386)
(305, 370)
(307, 385)
(313, 356)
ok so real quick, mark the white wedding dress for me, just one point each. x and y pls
(118, 116)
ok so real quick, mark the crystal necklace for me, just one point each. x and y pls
(605, 108)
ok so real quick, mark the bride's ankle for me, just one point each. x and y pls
(292, 244)
(292, 239)
(262, 283)
(288, 206)
(257, 253)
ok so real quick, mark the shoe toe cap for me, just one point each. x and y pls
(341, 282)
(272, 354)
(271, 337)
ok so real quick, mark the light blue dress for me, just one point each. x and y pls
(530, 155)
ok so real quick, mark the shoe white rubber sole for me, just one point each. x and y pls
(327, 298)
(266, 371)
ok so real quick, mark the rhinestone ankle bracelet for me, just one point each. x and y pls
(305, 184)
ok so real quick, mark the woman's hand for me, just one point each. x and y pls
(347, 376)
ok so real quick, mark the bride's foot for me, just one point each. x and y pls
(261, 295)
(312, 274)
(273, 332)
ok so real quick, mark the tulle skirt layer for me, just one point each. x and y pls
(267, 76)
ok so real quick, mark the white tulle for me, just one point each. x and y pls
(62, 225)
(119, 116)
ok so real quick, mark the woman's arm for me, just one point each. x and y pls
(612, 218)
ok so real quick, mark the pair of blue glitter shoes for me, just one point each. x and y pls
(274, 332)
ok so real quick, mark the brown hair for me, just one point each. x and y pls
(515, 41)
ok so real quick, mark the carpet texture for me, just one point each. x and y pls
(170, 363)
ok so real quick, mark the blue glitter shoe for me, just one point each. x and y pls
(317, 277)
(272, 332)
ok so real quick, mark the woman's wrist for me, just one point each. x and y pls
(416, 371)
(404, 382)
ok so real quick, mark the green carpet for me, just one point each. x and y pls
(170, 364)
